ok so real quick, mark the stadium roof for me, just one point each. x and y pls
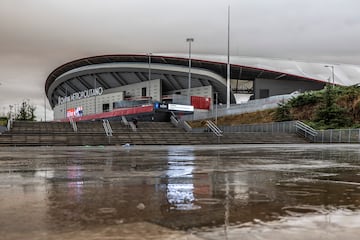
(118, 70)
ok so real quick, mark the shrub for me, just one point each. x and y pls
(283, 113)
(305, 99)
(329, 114)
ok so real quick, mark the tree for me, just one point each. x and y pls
(27, 112)
(330, 115)
(283, 113)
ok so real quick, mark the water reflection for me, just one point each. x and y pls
(180, 186)
(75, 184)
(192, 188)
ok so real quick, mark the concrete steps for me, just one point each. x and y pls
(148, 133)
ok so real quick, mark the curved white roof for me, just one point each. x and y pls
(344, 74)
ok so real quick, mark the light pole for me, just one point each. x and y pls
(11, 115)
(95, 96)
(228, 82)
(45, 107)
(189, 40)
(65, 110)
(332, 73)
(216, 107)
(149, 54)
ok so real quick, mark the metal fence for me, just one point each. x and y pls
(250, 106)
(287, 127)
(318, 136)
(338, 136)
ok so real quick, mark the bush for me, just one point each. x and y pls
(26, 113)
(305, 99)
(333, 117)
(331, 107)
(3, 121)
(283, 113)
(330, 115)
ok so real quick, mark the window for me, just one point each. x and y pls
(106, 107)
(143, 92)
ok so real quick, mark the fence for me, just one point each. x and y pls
(288, 127)
(317, 136)
(338, 136)
(250, 106)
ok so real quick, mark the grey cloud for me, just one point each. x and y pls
(37, 36)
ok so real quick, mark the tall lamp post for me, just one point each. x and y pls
(65, 110)
(189, 40)
(332, 73)
(149, 55)
(95, 95)
(45, 107)
(216, 107)
(228, 82)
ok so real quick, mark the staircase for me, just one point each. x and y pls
(147, 133)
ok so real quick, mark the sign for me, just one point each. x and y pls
(179, 107)
(161, 106)
(158, 105)
(80, 95)
(74, 112)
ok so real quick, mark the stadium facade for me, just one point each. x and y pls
(112, 85)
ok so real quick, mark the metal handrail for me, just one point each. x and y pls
(174, 121)
(73, 124)
(186, 126)
(10, 123)
(107, 128)
(124, 120)
(305, 130)
(214, 128)
(133, 126)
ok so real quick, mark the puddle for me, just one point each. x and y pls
(180, 192)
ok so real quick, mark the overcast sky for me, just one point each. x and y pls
(37, 36)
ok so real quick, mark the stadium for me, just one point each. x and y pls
(152, 85)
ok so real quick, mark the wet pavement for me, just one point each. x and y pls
(180, 192)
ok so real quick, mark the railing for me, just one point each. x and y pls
(73, 124)
(212, 126)
(132, 126)
(338, 136)
(128, 124)
(186, 126)
(250, 106)
(180, 123)
(316, 136)
(10, 124)
(174, 120)
(125, 121)
(287, 127)
(107, 128)
(306, 131)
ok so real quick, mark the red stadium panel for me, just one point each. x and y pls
(201, 102)
(115, 113)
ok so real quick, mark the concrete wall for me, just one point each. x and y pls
(134, 90)
(88, 104)
(279, 87)
(205, 91)
(108, 97)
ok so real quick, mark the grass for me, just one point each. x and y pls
(332, 107)
(245, 118)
